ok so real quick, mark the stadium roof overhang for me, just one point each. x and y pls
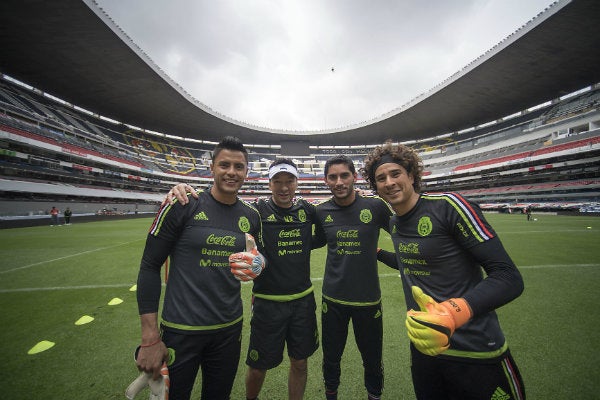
(71, 49)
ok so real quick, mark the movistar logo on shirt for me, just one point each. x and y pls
(328, 218)
(271, 218)
(201, 216)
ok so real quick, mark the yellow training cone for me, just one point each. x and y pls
(86, 319)
(41, 346)
(115, 301)
(133, 288)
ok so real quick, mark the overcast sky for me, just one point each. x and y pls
(269, 62)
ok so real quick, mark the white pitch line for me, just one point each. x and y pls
(528, 232)
(119, 285)
(65, 257)
(556, 266)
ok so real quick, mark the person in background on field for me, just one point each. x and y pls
(528, 212)
(283, 301)
(54, 216)
(68, 213)
(443, 243)
(201, 322)
(349, 223)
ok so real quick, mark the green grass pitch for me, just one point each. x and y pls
(52, 276)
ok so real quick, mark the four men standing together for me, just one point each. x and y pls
(283, 300)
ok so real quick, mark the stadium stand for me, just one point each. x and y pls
(53, 151)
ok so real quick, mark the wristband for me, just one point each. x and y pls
(151, 344)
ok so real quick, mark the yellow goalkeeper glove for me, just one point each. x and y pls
(247, 265)
(431, 328)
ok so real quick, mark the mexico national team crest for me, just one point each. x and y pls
(253, 355)
(244, 224)
(302, 215)
(366, 216)
(425, 226)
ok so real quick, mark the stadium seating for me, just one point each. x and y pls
(548, 156)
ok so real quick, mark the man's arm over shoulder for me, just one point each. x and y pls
(319, 239)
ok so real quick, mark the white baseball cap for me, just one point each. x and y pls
(274, 170)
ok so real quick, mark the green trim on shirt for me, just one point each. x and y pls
(285, 297)
(478, 354)
(352, 303)
(201, 328)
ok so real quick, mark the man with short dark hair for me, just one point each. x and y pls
(283, 302)
(54, 216)
(68, 213)
(349, 224)
(202, 315)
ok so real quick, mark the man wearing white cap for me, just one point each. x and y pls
(283, 301)
(284, 307)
